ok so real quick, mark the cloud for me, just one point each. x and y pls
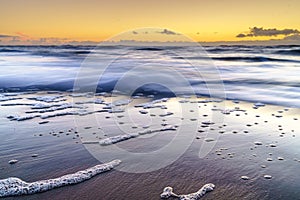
(168, 32)
(22, 35)
(256, 32)
(241, 35)
(6, 36)
(86, 42)
(22, 39)
(295, 37)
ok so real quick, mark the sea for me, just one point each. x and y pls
(267, 74)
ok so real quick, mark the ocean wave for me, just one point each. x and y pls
(262, 82)
(53, 51)
(238, 58)
(240, 48)
(8, 50)
(149, 49)
(253, 59)
(49, 53)
(293, 52)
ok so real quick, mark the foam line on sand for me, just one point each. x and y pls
(168, 192)
(14, 186)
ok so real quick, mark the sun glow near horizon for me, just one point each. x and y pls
(93, 20)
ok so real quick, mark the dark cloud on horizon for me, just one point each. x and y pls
(26, 40)
(294, 37)
(7, 36)
(168, 32)
(256, 32)
(165, 31)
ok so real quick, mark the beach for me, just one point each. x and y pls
(250, 139)
(149, 100)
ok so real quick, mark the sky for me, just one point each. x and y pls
(60, 21)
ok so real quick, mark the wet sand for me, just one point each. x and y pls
(246, 138)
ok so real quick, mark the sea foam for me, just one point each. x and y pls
(168, 192)
(120, 138)
(14, 186)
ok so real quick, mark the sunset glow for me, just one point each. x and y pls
(93, 20)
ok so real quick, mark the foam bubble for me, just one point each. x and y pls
(259, 104)
(47, 99)
(267, 176)
(244, 177)
(13, 161)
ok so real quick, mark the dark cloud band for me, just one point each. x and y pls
(256, 32)
(168, 32)
(7, 36)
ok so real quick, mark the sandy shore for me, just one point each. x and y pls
(245, 141)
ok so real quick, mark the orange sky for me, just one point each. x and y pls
(203, 20)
